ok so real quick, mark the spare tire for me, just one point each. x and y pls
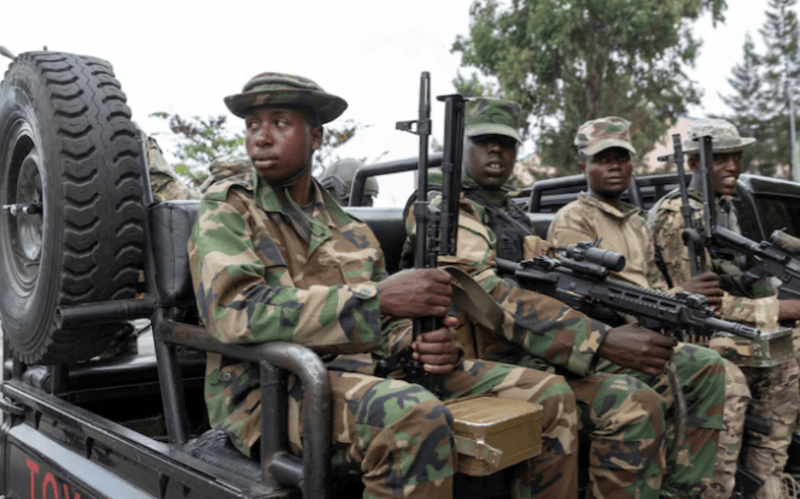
(71, 226)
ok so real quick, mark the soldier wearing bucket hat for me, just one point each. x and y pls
(773, 388)
(274, 257)
(264, 97)
(727, 145)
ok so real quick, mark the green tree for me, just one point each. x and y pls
(566, 62)
(199, 142)
(782, 64)
(749, 107)
(761, 88)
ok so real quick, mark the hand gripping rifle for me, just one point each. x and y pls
(436, 230)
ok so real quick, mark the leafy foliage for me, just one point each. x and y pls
(566, 62)
(201, 141)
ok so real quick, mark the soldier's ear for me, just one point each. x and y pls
(694, 164)
(582, 167)
(316, 137)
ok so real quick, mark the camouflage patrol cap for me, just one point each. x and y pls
(492, 116)
(724, 136)
(279, 89)
(338, 180)
(600, 134)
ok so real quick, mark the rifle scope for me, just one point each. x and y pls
(585, 251)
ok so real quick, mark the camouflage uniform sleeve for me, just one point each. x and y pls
(568, 227)
(760, 312)
(652, 273)
(245, 293)
(666, 222)
(541, 325)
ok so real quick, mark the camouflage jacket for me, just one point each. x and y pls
(263, 271)
(623, 230)
(543, 326)
(757, 306)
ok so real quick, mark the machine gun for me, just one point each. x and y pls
(436, 229)
(580, 279)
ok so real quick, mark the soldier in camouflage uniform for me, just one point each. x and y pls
(163, 181)
(624, 416)
(774, 390)
(338, 181)
(275, 258)
(605, 149)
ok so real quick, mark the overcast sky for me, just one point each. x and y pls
(183, 57)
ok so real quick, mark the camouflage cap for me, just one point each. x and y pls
(492, 116)
(600, 134)
(278, 89)
(724, 136)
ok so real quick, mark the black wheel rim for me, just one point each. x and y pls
(22, 201)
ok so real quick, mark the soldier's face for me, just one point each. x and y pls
(727, 168)
(490, 159)
(279, 141)
(608, 172)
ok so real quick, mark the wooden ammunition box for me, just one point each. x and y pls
(494, 433)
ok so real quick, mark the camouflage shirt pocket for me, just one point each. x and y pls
(357, 275)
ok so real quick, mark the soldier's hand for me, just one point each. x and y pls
(637, 347)
(437, 350)
(706, 284)
(789, 309)
(416, 293)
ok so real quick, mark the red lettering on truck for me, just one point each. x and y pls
(49, 483)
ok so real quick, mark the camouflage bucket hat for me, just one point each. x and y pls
(492, 116)
(278, 89)
(600, 134)
(724, 136)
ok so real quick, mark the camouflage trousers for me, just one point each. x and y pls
(729, 444)
(701, 375)
(398, 436)
(624, 419)
(775, 396)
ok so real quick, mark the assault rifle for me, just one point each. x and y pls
(436, 230)
(692, 236)
(580, 279)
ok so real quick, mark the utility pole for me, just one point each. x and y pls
(793, 136)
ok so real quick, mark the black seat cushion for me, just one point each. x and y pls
(171, 224)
